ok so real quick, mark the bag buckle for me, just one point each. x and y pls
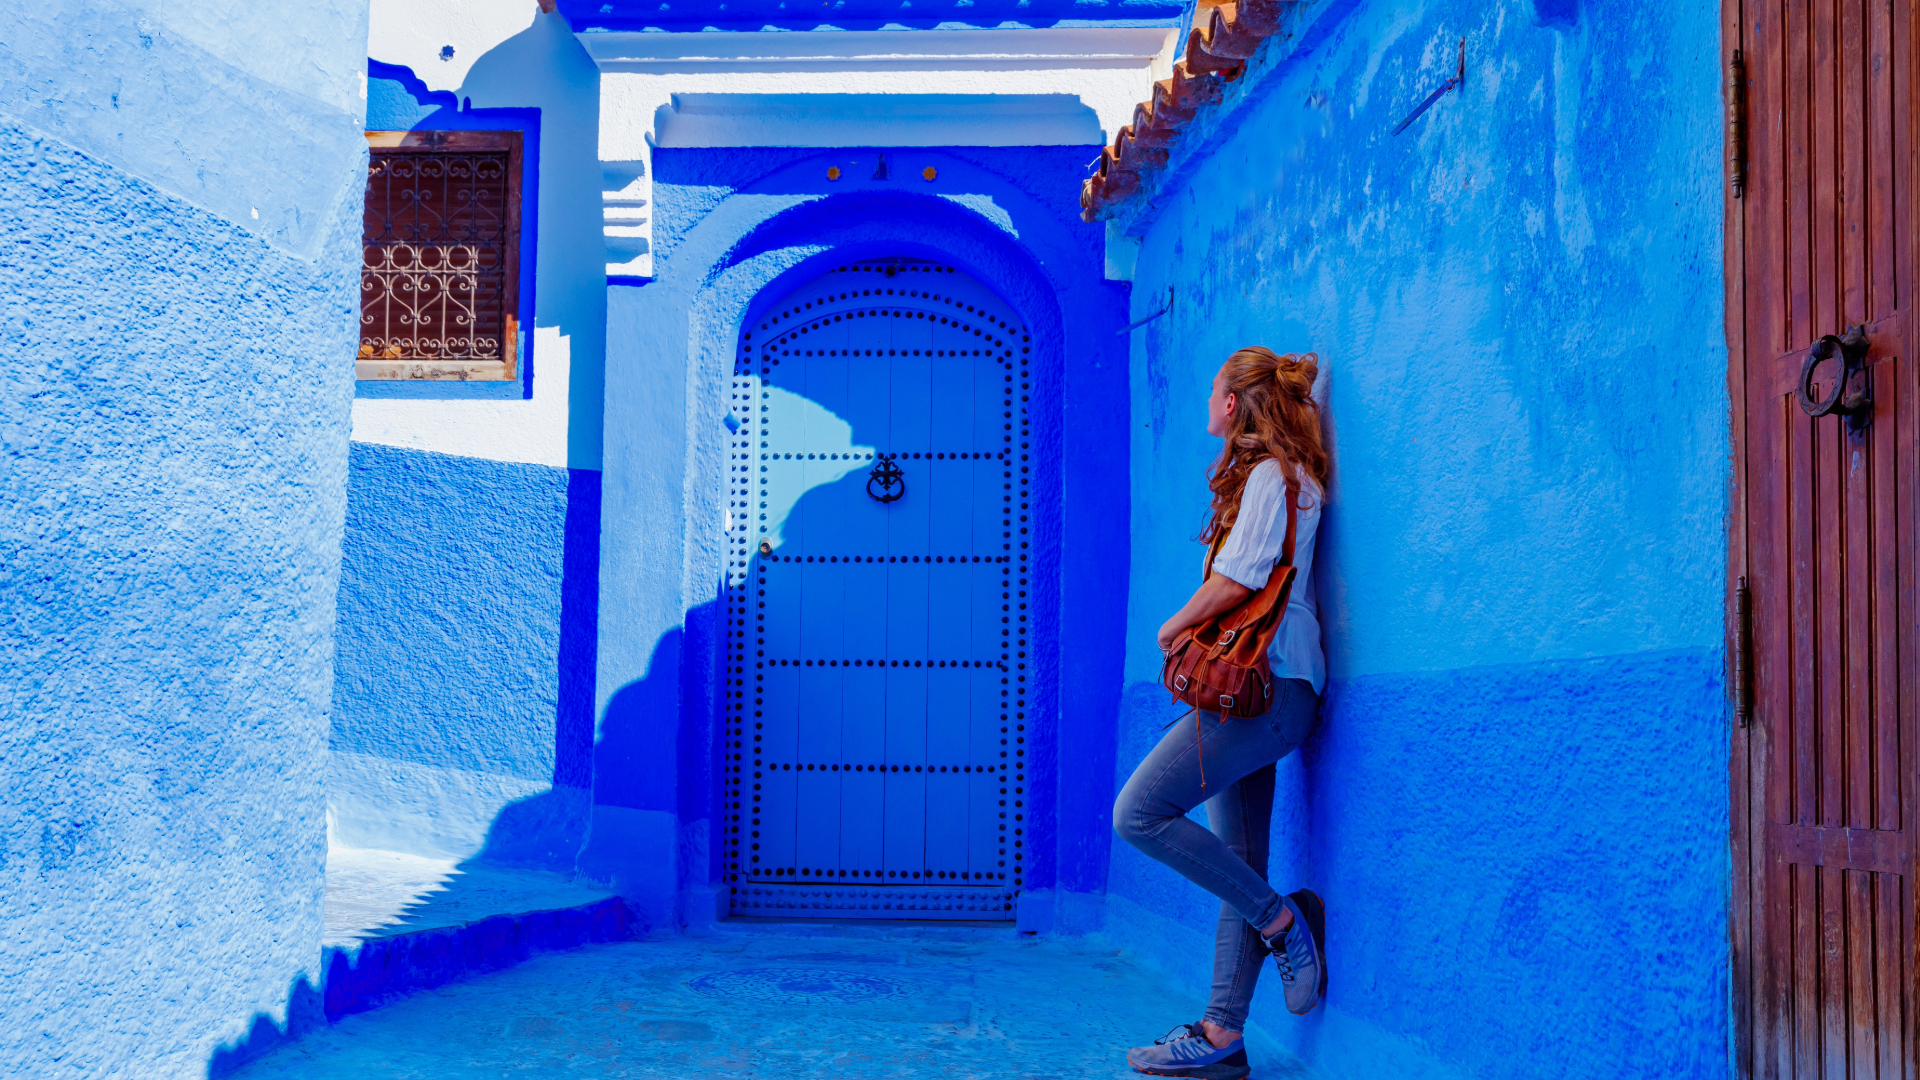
(1226, 701)
(1180, 682)
(1227, 638)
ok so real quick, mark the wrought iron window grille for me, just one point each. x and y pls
(439, 280)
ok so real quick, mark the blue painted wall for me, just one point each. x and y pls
(463, 709)
(735, 229)
(180, 190)
(1516, 804)
(463, 693)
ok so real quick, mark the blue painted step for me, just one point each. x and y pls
(398, 923)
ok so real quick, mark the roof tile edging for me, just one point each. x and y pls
(1177, 128)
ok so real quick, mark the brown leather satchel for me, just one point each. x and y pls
(1220, 665)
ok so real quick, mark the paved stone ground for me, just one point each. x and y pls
(765, 1000)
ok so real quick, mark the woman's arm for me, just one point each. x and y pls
(1216, 595)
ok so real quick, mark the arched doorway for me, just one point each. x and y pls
(878, 591)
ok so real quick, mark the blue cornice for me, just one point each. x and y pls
(802, 15)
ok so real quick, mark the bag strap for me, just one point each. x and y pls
(1293, 522)
(1261, 603)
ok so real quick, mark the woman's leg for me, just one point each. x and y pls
(1241, 816)
(1151, 811)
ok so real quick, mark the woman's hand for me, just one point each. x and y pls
(1169, 630)
(1216, 596)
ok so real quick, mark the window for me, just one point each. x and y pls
(439, 285)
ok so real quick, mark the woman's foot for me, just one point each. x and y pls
(1186, 1051)
(1299, 951)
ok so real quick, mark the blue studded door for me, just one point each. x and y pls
(876, 593)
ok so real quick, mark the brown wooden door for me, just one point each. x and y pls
(1823, 533)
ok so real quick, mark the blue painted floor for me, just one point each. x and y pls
(776, 1000)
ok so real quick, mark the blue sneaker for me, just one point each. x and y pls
(1185, 1051)
(1298, 951)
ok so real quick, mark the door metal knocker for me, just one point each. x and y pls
(892, 482)
(1855, 405)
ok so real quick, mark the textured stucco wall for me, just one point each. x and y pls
(464, 698)
(736, 229)
(464, 684)
(178, 304)
(1516, 805)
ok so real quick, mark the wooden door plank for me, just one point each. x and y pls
(1765, 202)
(1861, 1016)
(1797, 178)
(1822, 162)
(1834, 949)
(1803, 899)
(1895, 898)
(1798, 509)
(1883, 655)
(1881, 237)
(1850, 163)
(1768, 321)
(1830, 632)
(1774, 611)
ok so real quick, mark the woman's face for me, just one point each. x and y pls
(1220, 406)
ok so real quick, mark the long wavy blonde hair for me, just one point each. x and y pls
(1274, 416)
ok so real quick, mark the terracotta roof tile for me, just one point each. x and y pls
(1224, 37)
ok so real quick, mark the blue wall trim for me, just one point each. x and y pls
(398, 101)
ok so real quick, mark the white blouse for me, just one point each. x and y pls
(1253, 547)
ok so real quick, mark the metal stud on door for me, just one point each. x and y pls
(877, 571)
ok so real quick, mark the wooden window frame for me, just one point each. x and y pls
(506, 369)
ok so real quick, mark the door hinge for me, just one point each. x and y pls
(1743, 654)
(1737, 124)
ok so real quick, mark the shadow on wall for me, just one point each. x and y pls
(305, 1013)
(539, 81)
(544, 831)
(655, 781)
(465, 680)
(641, 845)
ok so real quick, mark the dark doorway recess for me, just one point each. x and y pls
(1820, 240)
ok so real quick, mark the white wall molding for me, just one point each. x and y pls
(1045, 87)
(872, 50)
(694, 120)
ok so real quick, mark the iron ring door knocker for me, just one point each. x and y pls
(892, 482)
(1856, 405)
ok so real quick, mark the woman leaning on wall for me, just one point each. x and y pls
(1245, 652)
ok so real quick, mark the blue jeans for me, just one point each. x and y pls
(1231, 860)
